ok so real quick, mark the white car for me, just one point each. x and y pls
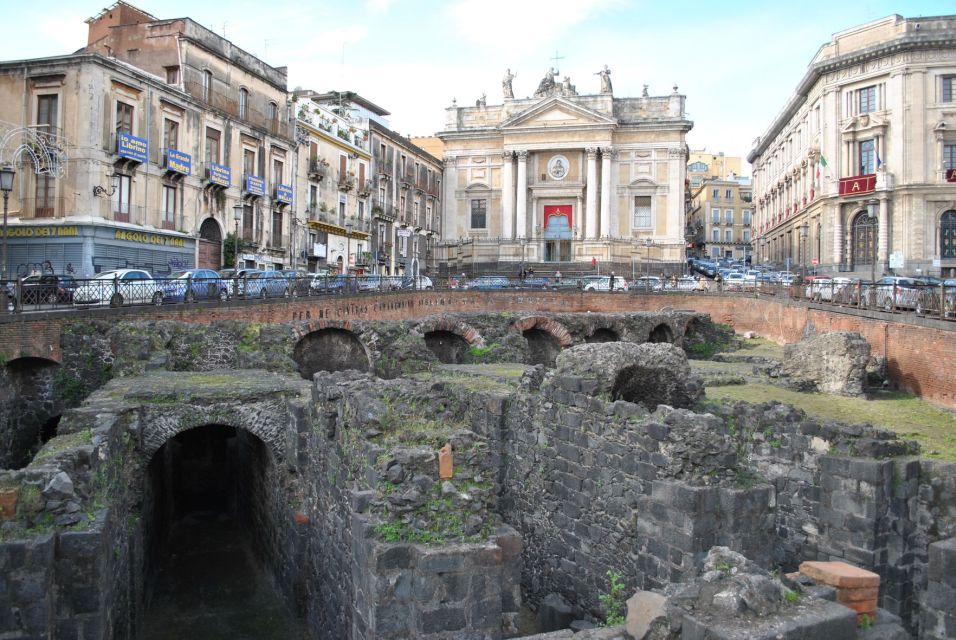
(119, 287)
(603, 283)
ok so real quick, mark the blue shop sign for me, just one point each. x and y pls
(284, 193)
(220, 175)
(256, 185)
(129, 146)
(179, 162)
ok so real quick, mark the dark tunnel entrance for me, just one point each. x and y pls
(29, 409)
(329, 350)
(450, 348)
(213, 539)
(603, 335)
(661, 333)
(543, 348)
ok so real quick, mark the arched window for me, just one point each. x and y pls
(947, 235)
(273, 113)
(206, 85)
(864, 239)
(243, 102)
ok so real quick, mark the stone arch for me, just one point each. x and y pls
(329, 346)
(545, 337)
(210, 244)
(268, 422)
(661, 333)
(449, 338)
(947, 235)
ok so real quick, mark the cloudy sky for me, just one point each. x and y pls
(737, 62)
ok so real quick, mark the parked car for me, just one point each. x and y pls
(378, 282)
(119, 287)
(932, 293)
(895, 292)
(736, 281)
(267, 284)
(193, 285)
(420, 282)
(47, 289)
(603, 283)
(647, 283)
(533, 282)
(299, 282)
(489, 282)
(684, 283)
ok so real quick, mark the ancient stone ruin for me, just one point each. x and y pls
(454, 478)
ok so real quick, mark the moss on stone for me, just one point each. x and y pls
(59, 444)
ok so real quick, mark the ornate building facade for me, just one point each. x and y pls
(562, 177)
(858, 172)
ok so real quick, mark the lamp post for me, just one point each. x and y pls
(648, 243)
(6, 185)
(872, 221)
(237, 212)
(804, 230)
(348, 248)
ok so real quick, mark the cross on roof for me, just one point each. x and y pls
(555, 59)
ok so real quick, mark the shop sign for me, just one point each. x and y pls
(149, 238)
(179, 162)
(284, 193)
(129, 146)
(220, 175)
(255, 185)
(43, 232)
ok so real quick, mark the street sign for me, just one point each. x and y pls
(814, 262)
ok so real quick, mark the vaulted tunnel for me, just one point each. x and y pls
(29, 409)
(450, 348)
(661, 333)
(543, 348)
(330, 350)
(216, 537)
(603, 334)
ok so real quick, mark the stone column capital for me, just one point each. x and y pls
(522, 155)
(608, 152)
(507, 156)
(592, 152)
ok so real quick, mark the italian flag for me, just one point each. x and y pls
(823, 163)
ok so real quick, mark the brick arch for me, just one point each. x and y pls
(268, 421)
(304, 330)
(548, 325)
(452, 325)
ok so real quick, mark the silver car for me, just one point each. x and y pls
(119, 287)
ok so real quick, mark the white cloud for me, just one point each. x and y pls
(378, 6)
(524, 25)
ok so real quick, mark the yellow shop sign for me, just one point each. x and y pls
(149, 238)
(42, 232)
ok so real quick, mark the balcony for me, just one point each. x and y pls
(364, 188)
(345, 180)
(318, 169)
(384, 169)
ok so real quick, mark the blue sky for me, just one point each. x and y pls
(737, 62)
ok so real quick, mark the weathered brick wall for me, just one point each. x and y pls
(914, 347)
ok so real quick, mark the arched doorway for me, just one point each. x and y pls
(210, 245)
(330, 349)
(213, 522)
(864, 240)
(947, 240)
(30, 406)
(661, 333)
(450, 348)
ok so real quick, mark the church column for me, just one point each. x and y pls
(883, 233)
(838, 236)
(591, 228)
(507, 196)
(606, 192)
(522, 195)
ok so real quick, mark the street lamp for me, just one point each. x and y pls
(804, 230)
(871, 221)
(348, 247)
(6, 185)
(237, 212)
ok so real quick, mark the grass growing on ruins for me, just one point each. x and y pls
(62, 443)
(908, 416)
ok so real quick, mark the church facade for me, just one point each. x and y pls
(565, 178)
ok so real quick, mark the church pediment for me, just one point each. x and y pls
(557, 112)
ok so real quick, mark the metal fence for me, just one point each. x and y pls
(39, 293)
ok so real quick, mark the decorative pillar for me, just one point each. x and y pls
(838, 237)
(883, 234)
(606, 191)
(507, 196)
(522, 195)
(590, 215)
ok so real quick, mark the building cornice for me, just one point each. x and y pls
(904, 43)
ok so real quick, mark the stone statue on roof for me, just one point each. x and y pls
(605, 74)
(506, 84)
(546, 86)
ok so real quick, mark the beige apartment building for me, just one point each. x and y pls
(701, 165)
(165, 128)
(720, 222)
(858, 172)
(407, 204)
(564, 178)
